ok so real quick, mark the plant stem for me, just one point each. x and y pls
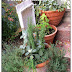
(32, 64)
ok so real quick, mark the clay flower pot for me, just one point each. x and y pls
(42, 64)
(42, 67)
(54, 16)
(49, 38)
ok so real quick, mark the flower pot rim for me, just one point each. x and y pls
(42, 64)
(53, 32)
(45, 62)
(52, 11)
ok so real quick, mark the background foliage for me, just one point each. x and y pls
(10, 21)
(12, 60)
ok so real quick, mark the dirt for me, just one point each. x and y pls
(16, 42)
(50, 31)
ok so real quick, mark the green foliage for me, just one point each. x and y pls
(57, 61)
(10, 21)
(43, 23)
(33, 46)
(12, 60)
(39, 54)
(50, 5)
(37, 12)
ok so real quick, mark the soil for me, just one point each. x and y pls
(50, 31)
(16, 42)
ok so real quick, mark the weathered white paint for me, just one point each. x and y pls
(25, 11)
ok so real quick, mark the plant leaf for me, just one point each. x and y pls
(34, 50)
(37, 56)
(40, 53)
(26, 53)
(23, 51)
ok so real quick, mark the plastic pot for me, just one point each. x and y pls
(54, 16)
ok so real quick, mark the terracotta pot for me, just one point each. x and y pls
(42, 64)
(54, 16)
(49, 38)
(42, 67)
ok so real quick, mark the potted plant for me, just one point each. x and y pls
(52, 9)
(33, 49)
(50, 30)
(13, 60)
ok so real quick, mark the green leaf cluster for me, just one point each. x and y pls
(58, 63)
(44, 23)
(10, 22)
(51, 5)
(12, 60)
(33, 46)
(36, 53)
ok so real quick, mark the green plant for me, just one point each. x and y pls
(10, 21)
(43, 23)
(57, 61)
(50, 5)
(33, 47)
(12, 60)
(35, 53)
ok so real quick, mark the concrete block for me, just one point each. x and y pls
(63, 35)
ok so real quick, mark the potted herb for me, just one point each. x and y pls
(52, 9)
(33, 49)
(50, 30)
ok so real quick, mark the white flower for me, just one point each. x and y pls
(30, 50)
